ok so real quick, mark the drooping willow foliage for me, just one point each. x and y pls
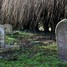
(29, 13)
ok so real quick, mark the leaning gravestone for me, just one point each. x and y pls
(61, 38)
(8, 28)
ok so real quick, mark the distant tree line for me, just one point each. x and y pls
(29, 13)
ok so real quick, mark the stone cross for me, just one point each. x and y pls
(61, 38)
(2, 36)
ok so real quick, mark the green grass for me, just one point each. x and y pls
(37, 55)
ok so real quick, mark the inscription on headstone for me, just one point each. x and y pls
(2, 36)
(61, 38)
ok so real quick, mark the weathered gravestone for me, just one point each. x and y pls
(3, 46)
(2, 36)
(8, 28)
(61, 38)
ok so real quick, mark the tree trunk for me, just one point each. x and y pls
(46, 27)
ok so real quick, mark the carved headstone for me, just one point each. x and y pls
(61, 38)
(8, 28)
(2, 36)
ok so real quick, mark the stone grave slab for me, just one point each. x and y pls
(61, 38)
(9, 48)
(8, 28)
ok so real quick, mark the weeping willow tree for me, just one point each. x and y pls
(29, 13)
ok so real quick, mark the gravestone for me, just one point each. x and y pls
(2, 36)
(3, 46)
(61, 38)
(8, 28)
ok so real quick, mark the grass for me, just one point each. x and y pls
(35, 55)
